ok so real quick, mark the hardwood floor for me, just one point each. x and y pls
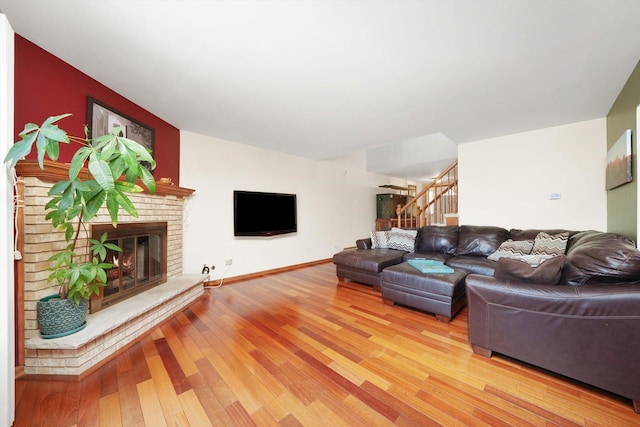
(301, 348)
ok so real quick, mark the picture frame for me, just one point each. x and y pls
(619, 166)
(102, 117)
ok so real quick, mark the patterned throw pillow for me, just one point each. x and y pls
(547, 244)
(512, 249)
(379, 239)
(404, 240)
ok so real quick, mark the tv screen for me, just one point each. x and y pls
(263, 214)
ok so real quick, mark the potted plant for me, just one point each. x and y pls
(114, 165)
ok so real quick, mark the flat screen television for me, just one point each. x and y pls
(263, 214)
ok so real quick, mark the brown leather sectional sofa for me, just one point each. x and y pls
(585, 325)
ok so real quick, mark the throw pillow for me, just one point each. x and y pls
(512, 249)
(379, 239)
(547, 244)
(406, 232)
(548, 272)
(401, 239)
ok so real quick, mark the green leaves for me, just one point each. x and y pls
(114, 166)
(78, 161)
(46, 137)
(101, 172)
(93, 204)
(117, 199)
(147, 179)
(99, 248)
(19, 150)
(142, 154)
(82, 279)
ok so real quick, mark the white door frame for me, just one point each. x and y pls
(7, 315)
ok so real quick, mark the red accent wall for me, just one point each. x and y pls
(47, 86)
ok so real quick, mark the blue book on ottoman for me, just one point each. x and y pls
(430, 266)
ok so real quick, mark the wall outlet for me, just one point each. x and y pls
(228, 261)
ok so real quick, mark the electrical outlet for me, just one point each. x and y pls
(228, 261)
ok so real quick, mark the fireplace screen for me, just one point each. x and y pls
(139, 266)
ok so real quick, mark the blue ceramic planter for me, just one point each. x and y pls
(61, 317)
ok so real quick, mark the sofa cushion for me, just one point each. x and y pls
(511, 249)
(473, 264)
(401, 239)
(582, 237)
(550, 244)
(364, 243)
(603, 257)
(480, 240)
(548, 272)
(435, 256)
(432, 238)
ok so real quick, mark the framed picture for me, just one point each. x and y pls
(619, 170)
(102, 118)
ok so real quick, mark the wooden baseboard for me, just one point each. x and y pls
(19, 372)
(242, 277)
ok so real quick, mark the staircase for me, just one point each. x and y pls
(435, 204)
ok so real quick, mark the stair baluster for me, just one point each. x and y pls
(434, 204)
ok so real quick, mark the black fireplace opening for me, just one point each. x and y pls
(141, 265)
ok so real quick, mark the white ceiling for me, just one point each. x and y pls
(322, 79)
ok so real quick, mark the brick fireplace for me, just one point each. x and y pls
(116, 324)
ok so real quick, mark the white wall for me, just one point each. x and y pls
(506, 181)
(7, 340)
(336, 204)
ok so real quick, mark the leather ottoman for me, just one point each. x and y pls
(365, 266)
(441, 294)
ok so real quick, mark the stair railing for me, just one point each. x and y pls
(434, 202)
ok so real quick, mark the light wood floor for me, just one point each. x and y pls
(301, 348)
